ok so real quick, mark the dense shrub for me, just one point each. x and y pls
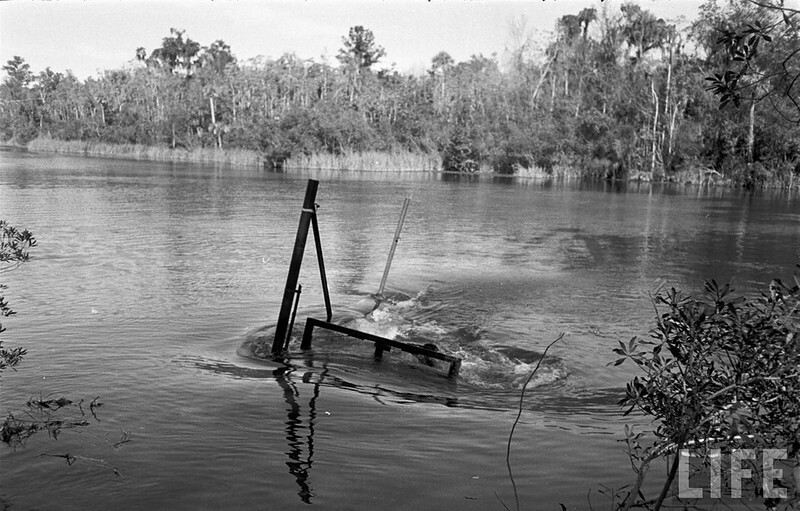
(719, 368)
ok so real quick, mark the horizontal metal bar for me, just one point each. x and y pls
(382, 343)
(311, 323)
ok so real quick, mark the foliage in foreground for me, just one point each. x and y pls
(720, 370)
(43, 414)
(14, 246)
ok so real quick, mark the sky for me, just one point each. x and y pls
(89, 36)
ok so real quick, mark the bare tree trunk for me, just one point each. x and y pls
(751, 133)
(672, 121)
(233, 103)
(541, 80)
(214, 126)
(667, 99)
(213, 112)
(41, 113)
(444, 73)
(668, 102)
(655, 128)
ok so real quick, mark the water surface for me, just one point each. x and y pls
(148, 277)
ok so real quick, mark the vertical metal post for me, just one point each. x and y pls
(294, 266)
(394, 245)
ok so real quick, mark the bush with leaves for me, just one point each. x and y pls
(719, 368)
(14, 245)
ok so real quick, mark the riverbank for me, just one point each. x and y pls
(397, 161)
(144, 152)
(371, 161)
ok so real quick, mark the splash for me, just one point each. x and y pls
(423, 320)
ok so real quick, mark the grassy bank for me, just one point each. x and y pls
(367, 161)
(754, 175)
(371, 161)
(143, 152)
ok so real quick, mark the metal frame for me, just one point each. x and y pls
(291, 294)
(381, 343)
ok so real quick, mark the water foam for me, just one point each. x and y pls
(422, 320)
(417, 320)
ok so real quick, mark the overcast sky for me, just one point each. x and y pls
(91, 36)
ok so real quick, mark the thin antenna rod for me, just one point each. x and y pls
(394, 245)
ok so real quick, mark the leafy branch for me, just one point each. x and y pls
(14, 246)
(718, 369)
(742, 48)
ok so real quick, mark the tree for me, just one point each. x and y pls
(752, 59)
(217, 56)
(46, 87)
(17, 101)
(585, 18)
(213, 62)
(14, 246)
(175, 53)
(441, 64)
(19, 76)
(642, 31)
(360, 50)
(359, 53)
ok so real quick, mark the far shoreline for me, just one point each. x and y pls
(372, 161)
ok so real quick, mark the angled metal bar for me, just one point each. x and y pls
(321, 261)
(394, 245)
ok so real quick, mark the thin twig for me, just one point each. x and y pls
(501, 501)
(71, 458)
(519, 414)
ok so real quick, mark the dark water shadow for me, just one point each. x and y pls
(300, 429)
(391, 387)
(301, 416)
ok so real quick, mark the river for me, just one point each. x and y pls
(148, 278)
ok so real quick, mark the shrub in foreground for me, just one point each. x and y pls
(720, 370)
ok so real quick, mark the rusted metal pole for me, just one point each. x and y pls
(394, 245)
(294, 266)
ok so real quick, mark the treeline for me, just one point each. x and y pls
(614, 95)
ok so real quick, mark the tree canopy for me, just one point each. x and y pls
(360, 49)
(614, 94)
